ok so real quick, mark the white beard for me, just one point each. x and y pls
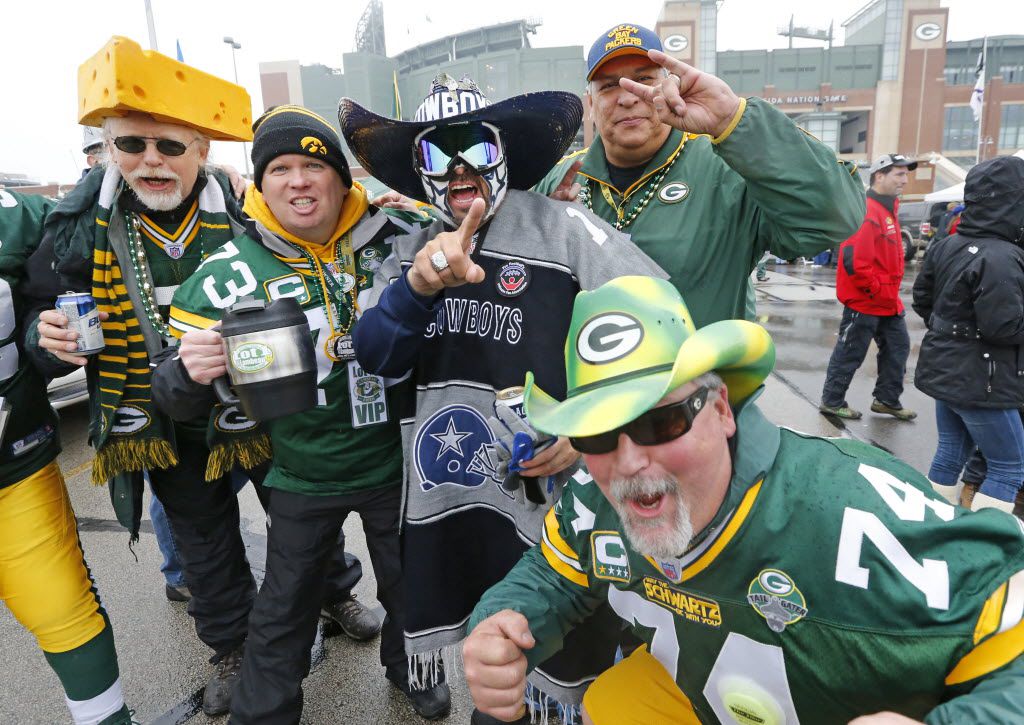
(649, 537)
(160, 200)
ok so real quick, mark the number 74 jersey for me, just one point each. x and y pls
(834, 585)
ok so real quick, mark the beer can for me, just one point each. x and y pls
(84, 318)
(512, 398)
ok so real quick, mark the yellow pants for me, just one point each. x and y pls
(638, 691)
(43, 577)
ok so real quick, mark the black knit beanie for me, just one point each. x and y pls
(295, 130)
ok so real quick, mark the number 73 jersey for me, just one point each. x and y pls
(836, 585)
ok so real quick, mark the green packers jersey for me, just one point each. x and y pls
(351, 440)
(29, 440)
(833, 583)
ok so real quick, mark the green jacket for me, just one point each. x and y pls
(30, 439)
(829, 558)
(767, 185)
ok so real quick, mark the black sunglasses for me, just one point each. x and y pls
(656, 426)
(137, 144)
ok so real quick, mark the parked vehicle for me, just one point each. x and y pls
(919, 222)
(68, 390)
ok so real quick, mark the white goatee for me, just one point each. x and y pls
(659, 538)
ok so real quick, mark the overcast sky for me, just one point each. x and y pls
(42, 43)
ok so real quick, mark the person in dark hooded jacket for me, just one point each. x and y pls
(971, 294)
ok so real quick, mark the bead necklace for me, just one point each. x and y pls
(143, 275)
(624, 220)
(345, 299)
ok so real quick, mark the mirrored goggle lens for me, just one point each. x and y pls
(477, 145)
(137, 144)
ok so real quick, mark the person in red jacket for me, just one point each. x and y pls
(868, 284)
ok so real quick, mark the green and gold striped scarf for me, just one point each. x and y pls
(127, 430)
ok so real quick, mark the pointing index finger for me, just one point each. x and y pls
(470, 224)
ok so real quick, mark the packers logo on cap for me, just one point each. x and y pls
(313, 145)
(623, 35)
(631, 341)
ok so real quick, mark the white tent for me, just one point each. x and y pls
(955, 192)
(950, 193)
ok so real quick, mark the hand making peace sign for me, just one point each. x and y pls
(687, 99)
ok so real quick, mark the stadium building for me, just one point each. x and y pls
(895, 85)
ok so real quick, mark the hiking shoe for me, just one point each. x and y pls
(177, 594)
(479, 718)
(355, 620)
(896, 411)
(841, 411)
(217, 696)
(967, 493)
(430, 703)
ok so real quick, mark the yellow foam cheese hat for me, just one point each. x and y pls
(122, 77)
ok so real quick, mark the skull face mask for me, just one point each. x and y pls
(475, 147)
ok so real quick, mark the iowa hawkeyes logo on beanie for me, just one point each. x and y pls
(609, 337)
(313, 145)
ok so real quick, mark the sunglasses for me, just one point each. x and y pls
(478, 145)
(137, 144)
(656, 426)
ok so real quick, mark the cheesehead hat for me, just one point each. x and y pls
(123, 78)
(631, 341)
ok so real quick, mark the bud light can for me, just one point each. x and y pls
(84, 318)
(511, 398)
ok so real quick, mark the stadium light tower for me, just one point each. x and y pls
(235, 46)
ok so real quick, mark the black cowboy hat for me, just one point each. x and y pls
(536, 129)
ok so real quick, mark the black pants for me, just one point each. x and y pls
(204, 522)
(344, 570)
(856, 331)
(282, 628)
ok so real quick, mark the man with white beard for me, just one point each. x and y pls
(774, 577)
(129, 234)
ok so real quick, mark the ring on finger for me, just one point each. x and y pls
(678, 79)
(438, 261)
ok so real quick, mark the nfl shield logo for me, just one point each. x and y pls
(174, 251)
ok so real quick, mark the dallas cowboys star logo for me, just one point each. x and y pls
(450, 440)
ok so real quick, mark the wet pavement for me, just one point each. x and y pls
(797, 305)
(163, 664)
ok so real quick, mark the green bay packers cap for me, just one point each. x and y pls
(625, 39)
(631, 341)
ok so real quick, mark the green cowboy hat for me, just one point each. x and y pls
(630, 342)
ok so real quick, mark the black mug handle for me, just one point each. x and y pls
(224, 393)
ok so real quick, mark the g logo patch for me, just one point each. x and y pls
(128, 419)
(231, 419)
(608, 337)
(313, 145)
(674, 192)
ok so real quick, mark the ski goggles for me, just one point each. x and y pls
(656, 426)
(137, 144)
(478, 145)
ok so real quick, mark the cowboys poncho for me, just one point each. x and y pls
(461, 531)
